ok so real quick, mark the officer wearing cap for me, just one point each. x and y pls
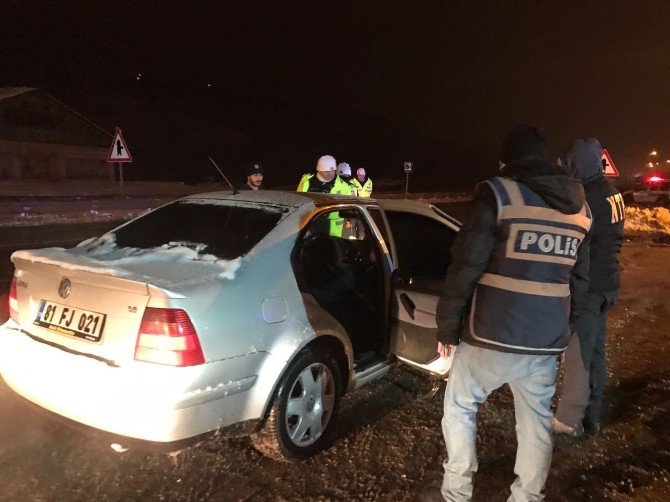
(254, 179)
(362, 183)
(325, 180)
(344, 172)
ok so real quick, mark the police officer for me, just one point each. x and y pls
(325, 180)
(344, 172)
(514, 265)
(362, 184)
(585, 370)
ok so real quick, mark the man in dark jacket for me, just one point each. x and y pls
(254, 181)
(516, 264)
(585, 371)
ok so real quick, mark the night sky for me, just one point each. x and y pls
(372, 83)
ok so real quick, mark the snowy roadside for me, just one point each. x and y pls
(639, 221)
(653, 220)
(31, 216)
(68, 217)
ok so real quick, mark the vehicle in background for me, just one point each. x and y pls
(240, 314)
(650, 189)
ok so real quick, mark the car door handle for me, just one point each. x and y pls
(408, 304)
(403, 281)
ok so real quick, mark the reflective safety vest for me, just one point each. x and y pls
(362, 190)
(340, 187)
(522, 301)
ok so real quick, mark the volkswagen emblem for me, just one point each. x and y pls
(64, 288)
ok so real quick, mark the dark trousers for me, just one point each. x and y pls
(585, 370)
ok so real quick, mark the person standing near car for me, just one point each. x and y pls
(344, 172)
(254, 181)
(325, 180)
(585, 370)
(515, 263)
(362, 184)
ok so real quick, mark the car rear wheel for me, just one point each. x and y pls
(302, 419)
(663, 201)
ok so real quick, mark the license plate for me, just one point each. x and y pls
(71, 320)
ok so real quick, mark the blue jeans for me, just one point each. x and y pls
(475, 373)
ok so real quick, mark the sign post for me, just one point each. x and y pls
(407, 167)
(120, 154)
(609, 169)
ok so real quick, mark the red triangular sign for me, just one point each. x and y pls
(119, 151)
(608, 166)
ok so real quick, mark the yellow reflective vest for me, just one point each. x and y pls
(362, 190)
(340, 187)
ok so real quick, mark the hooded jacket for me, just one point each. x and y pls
(583, 162)
(478, 238)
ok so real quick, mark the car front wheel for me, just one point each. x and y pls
(302, 419)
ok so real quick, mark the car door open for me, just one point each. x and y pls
(423, 247)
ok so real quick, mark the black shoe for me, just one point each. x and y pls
(591, 426)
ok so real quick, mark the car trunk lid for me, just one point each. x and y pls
(79, 310)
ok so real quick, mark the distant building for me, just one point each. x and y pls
(42, 138)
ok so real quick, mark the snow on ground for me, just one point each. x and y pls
(68, 217)
(647, 220)
(101, 188)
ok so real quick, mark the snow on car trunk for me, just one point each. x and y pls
(91, 298)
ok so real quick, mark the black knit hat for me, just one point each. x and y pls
(254, 168)
(524, 140)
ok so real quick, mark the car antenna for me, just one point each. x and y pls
(235, 190)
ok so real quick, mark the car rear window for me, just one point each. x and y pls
(223, 230)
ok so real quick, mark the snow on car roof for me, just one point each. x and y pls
(290, 199)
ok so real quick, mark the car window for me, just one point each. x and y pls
(225, 231)
(423, 244)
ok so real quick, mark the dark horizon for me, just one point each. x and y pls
(373, 85)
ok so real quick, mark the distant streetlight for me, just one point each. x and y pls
(667, 161)
(650, 164)
(653, 153)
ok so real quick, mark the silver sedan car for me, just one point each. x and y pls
(244, 314)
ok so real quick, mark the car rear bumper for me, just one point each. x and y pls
(145, 401)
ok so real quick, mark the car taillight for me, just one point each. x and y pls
(167, 336)
(13, 302)
(654, 179)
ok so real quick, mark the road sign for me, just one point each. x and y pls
(119, 151)
(407, 166)
(608, 166)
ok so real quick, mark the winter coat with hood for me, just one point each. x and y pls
(474, 246)
(583, 162)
